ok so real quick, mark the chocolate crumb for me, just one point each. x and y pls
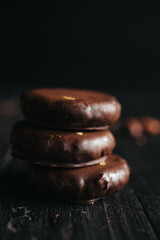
(151, 125)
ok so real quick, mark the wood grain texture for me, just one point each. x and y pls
(133, 213)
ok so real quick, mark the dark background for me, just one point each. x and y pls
(98, 44)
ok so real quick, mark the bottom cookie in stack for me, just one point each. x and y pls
(71, 166)
(81, 185)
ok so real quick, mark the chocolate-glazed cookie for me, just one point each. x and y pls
(82, 185)
(60, 148)
(70, 108)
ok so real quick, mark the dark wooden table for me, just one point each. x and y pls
(133, 213)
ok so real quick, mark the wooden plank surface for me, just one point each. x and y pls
(133, 213)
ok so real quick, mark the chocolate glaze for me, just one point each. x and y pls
(83, 185)
(79, 128)
(59, 147)
(70, 108)
(57, 164)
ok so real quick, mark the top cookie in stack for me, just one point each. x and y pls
(66, 143)
(70, 109)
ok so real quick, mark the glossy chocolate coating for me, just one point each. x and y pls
(70, 108)
(52, 147)
(81, 184)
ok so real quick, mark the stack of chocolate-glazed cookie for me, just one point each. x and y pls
(66, 145)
